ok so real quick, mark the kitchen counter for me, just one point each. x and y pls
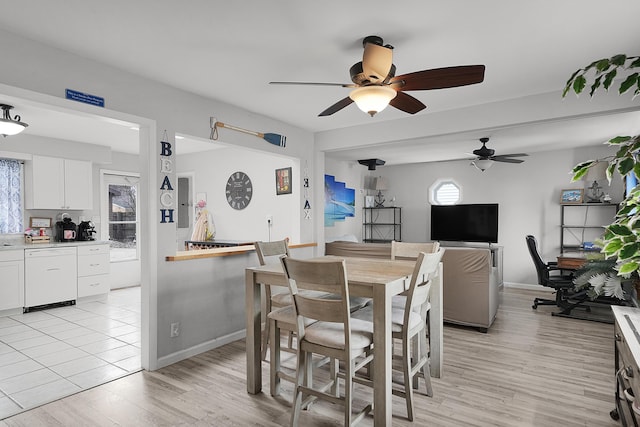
(21, 244)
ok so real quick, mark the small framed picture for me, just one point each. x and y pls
(283, 181)
(571, 196)
(35, 222)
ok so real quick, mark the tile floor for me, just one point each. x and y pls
(49, 354)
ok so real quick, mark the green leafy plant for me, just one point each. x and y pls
(621, 239)
(599, 277)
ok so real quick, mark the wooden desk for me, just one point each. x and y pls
(575, 260)
(374, 278)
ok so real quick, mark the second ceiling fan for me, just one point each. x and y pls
(375, 84)
(486, 156)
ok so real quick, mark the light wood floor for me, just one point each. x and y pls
(530, 369)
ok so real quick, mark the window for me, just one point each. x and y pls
(120, 210)
(11, 215)
(445, 192)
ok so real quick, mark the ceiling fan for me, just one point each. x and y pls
(375, 84)
(486, 157)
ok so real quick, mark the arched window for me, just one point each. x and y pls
(445, 192)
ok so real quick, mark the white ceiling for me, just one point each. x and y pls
(231, 50)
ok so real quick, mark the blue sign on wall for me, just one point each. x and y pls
(74, 95)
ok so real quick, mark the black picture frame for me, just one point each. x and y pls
(283, 181)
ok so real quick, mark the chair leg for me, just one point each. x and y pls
(274, 364)
(426, 372)
(297, 394)
(408, 380)
(265, 339)
(348, 391)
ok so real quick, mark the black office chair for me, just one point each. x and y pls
(562, 283)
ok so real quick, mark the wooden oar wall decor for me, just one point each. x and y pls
(271, 138)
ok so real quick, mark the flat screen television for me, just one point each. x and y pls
(465, 223)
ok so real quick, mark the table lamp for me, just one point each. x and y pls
(381, 184)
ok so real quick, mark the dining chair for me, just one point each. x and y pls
(410, 250)
(408, 325)
(325, 327)
(267, 251)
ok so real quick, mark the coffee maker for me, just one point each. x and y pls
(86, 230)
(65, 230)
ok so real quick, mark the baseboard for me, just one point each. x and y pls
(200, 348)
(527, 286)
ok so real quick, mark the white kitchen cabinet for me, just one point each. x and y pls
(56, 183)
(50, 276)
(93, 270)
(12, 282)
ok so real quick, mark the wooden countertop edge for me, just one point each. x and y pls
(219, 252)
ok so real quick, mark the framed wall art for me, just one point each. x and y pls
(571, 196)
(36, 222)
(283, 181)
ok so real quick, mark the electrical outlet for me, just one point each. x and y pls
(270, 220)
(175, 329)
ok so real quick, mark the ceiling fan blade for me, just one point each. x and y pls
(314, 84)
(513, 155)
(506, 159)
(337, 107)
(407, 103)
(376, 62)
(439, 78)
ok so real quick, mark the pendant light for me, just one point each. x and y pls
(9, 126)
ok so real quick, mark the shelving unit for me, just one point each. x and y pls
(382, 225)
(584, 222)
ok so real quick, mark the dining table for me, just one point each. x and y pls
(378, 279)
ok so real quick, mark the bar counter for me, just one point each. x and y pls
(227, 251)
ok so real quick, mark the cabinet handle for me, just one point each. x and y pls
(629, 371)
(617, 337)
(94, 284)
(53, 269)
(93, 265)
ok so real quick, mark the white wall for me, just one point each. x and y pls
(528, 195)
(211, 170)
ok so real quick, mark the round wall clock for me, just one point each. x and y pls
(239, 190)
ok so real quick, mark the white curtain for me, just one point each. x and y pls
(10, 197)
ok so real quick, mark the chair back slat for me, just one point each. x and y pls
(265, 250)
(319, 275)
(420, 286)
(408, 250)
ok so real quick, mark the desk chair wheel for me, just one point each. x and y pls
(614, 415)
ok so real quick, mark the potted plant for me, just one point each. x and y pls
(620, 243)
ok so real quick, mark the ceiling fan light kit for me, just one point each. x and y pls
(9, 126)
(372, 99)
(482, 164)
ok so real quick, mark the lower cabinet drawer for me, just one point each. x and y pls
(93, 285)
(89, 265)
